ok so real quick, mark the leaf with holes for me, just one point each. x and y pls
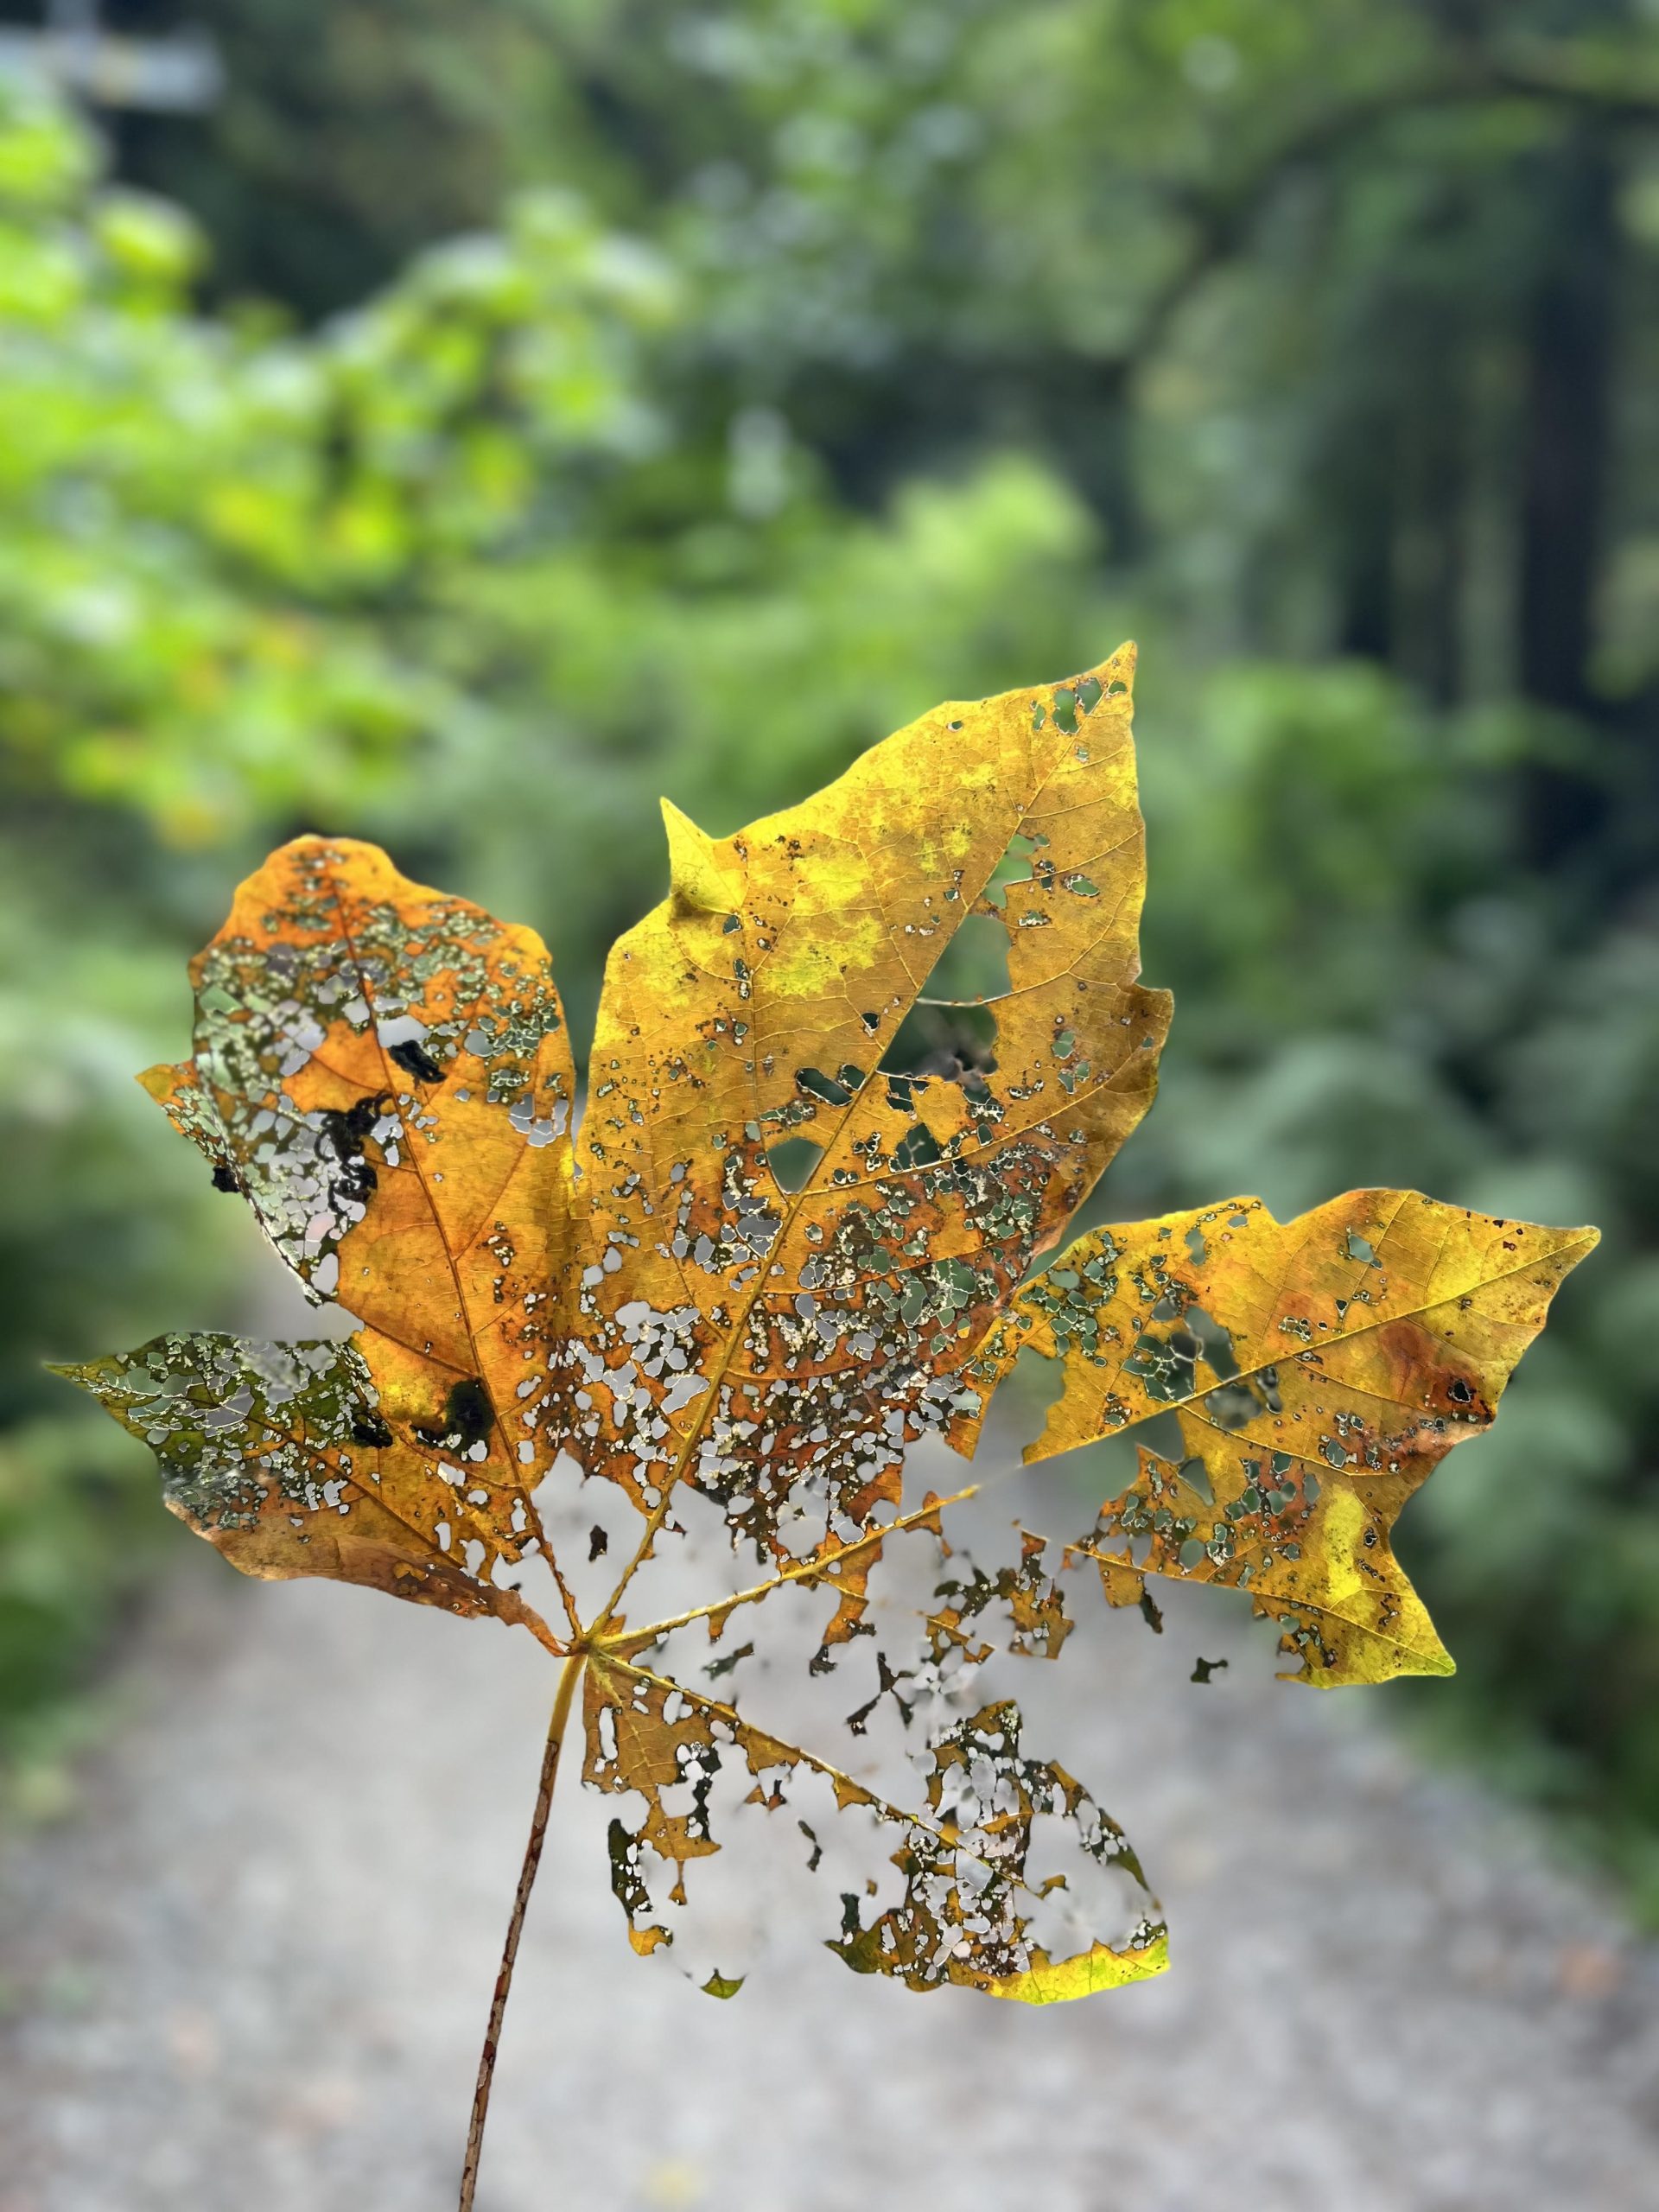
(851, 1081)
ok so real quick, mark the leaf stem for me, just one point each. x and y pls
(537, 1836)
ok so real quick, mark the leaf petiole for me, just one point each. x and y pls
(564, 1699)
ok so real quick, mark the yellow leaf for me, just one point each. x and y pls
(817, 1162)
(753, 1008)
(383, 1073)
(1319, 1370)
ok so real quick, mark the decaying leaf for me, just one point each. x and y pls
(851, 1081)
(384, 1074)
(1319, 1370)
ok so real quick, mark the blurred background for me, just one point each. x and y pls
(458, 426)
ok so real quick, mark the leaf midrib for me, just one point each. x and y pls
(1337, 1336)
(710, 1398)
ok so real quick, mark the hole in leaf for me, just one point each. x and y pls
(1021, 1408)
(920, 1148)
(951, 1031)
(1195, 1475)
(1217, 1343)
(1233, 1406)
(1160, 1434)
(830, 1089)
(1014, 866)
(974, 965)
(792, 1162)
(956, 1041)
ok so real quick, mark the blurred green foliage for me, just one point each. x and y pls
(800, 363)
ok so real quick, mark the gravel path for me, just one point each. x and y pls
(251, 1974)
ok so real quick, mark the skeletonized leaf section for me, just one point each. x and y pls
(783, 1345)
(1319, 1368)
(998, 1882)
(279, 1454)
(383, 1072)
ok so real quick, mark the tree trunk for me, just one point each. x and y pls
(1567, 432)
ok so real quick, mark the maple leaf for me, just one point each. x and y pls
(793, 1237)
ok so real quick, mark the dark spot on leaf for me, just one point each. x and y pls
(416, 1061)
(359, 1120)
(467, 1417)
(344, 1134)
(598, 1544)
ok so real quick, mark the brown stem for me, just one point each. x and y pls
(532, 1858)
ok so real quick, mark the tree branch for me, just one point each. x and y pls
(1619, 90)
